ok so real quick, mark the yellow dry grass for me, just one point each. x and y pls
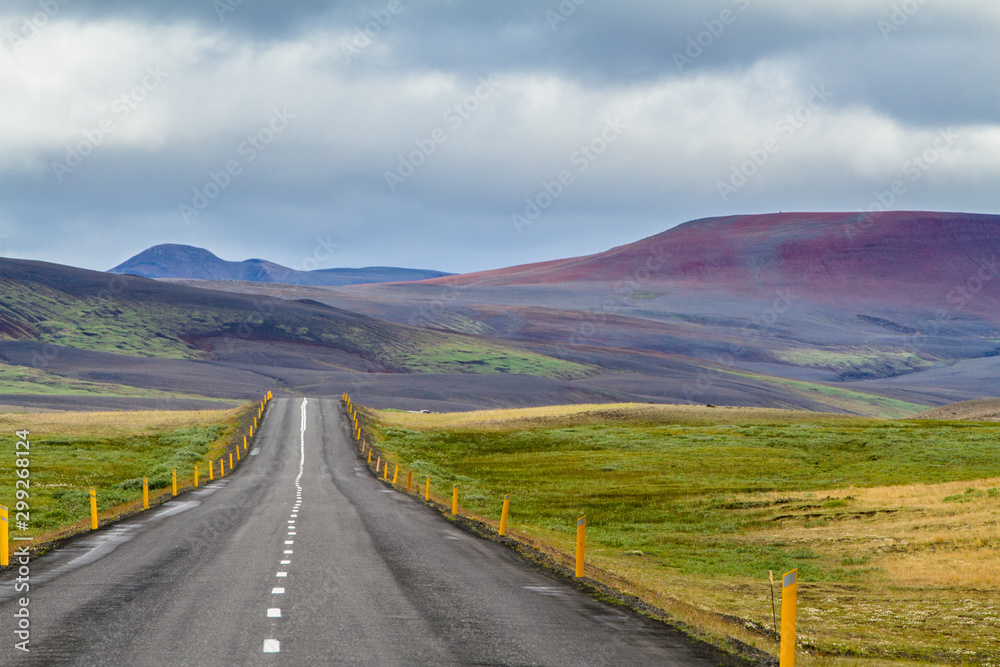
(557, 415)
(110, 424)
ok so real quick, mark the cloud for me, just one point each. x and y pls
(165, 98)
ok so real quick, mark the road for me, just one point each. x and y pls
(302, 558)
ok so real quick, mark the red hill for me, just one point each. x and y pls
(904, 258)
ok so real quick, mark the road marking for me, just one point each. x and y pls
(255, 451)
(291, 532)
(274, 612)
(277, 590)
(288, 551)
(272, 646)
(281, 574)
(285, 562)
(289, 541)
(550, 591)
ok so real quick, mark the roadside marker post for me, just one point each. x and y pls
(427, 490)
(145, 493)
(395, 475)
(409, 481)
(251, 431)
(211, 470)
(454, 500)
(4, 537)
(369, 457)
(378, 463)
(789, 598)
(244, 443)
(196, 476)
(385, 471)
(581, 537)
(173, 481)
(222, 467)
(230, 461)
(503, 514)
(93, 508)
(238, 454)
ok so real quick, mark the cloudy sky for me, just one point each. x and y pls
(470, 135)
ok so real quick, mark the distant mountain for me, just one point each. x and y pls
(171, 260)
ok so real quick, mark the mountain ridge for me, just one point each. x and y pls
(185, 262)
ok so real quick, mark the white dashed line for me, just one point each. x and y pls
(289, 541)
(274, 612)
(277, 590)
(288, 551)
(285, 562)
(281, 574)
(272, 646)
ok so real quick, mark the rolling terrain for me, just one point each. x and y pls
(884, 315)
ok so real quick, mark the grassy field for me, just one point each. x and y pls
(893, 525)
(72, 451)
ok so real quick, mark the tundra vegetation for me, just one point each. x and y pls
(892, 524)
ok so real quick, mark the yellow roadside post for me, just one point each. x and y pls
(145, 493)
(230, 461)
(503, 514)
(173, 481)
(581, 536)
(211, 470)
(454, 500)
(4, 537)
(395, 475)
(251, 431)
(789, 596)
(409, 481)
(369, 457)
(255, 422)
(222, 467)
(196, 475)
(427, 490)
(93, 508)
(385, 471)
(238, 454)
(244, 442)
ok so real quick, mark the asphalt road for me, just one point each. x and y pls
(301, 558)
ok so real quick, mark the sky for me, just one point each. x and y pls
(463, 136)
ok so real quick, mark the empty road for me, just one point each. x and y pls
(301, 558)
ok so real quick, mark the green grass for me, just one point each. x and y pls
(471, 356)
(707, 504)
(855, 363)
(64, 466)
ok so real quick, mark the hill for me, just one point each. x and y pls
(898, 258)
(170, 260)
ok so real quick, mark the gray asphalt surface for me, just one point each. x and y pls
(369, 576)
